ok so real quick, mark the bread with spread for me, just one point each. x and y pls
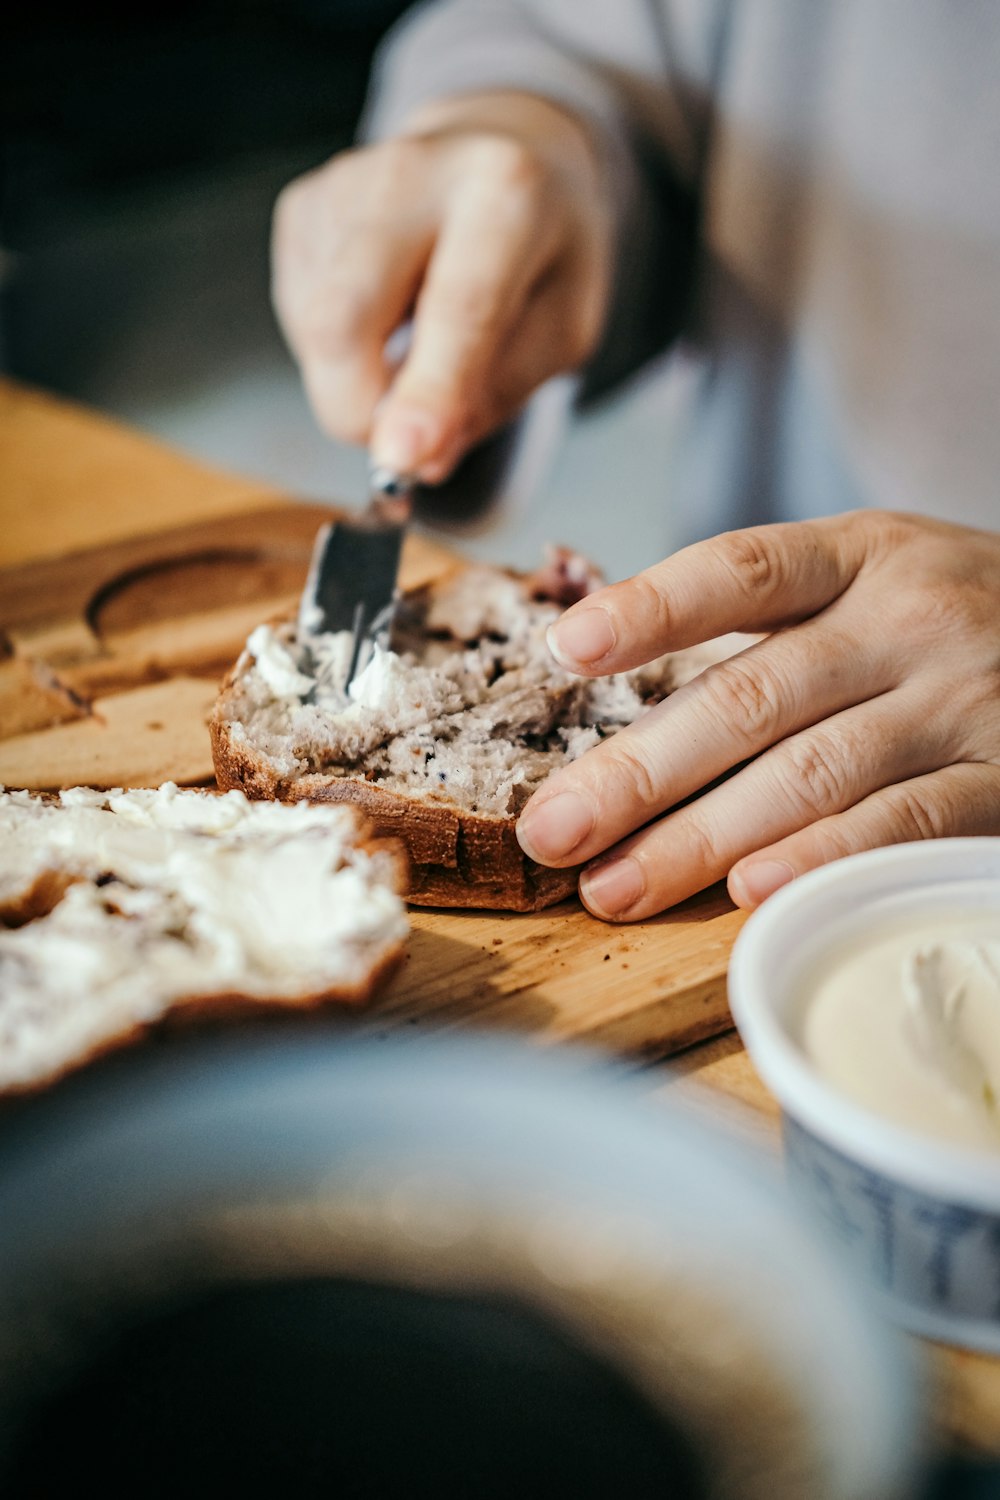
(119, 910)
(442, 739)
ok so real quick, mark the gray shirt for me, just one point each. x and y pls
(808, 204)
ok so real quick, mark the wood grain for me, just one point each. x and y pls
(646, 989)
(140, 738)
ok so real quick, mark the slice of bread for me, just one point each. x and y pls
(443, 739)
(119, 909)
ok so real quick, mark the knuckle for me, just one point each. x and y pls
(441, 387)
(754, 560)
(285, 212)
(885, 534)
(588, 325)
(581, 329)
(634, 778)
(645, 601)
(826, 841)
(579, 346)
(820, 774)
(892, 528)
(304, 202)
(910, 614)
(703, 847)
(939, 610)
(917, 813)
(510, 165)
(743, 696)
(366, 186)
(393, 167)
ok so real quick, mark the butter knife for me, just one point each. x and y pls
(352, 582)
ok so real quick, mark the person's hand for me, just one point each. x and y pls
(869, 716)
(487, 224)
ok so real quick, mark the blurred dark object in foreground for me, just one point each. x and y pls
(324, 1387)
(280, 1261)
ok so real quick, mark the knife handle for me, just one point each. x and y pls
(391, 496)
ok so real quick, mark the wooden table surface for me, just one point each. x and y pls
(53, 454)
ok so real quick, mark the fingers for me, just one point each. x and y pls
(492, 247)
(345, 275)
(529, 355)
(958, 801)
(493, 242)
(822, 772)
(752, 580)
(870, 716)
(344, 367)
(728, 714)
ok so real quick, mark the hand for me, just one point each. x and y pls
(869, 716)
(487, 223)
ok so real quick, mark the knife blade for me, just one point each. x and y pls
(352, 582)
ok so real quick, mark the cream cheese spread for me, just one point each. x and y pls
(467, 707)
(277, 666)
(166, 894)
(905, 1020)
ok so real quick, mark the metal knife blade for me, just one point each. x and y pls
(352, 583)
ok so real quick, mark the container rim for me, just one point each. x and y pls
(954, 1173)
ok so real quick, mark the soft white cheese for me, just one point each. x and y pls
(198, 895)
(276, 665)
(906, 1022)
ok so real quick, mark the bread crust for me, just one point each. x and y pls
(456, 858)
(224, 1007)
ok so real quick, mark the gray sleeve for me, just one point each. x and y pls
(610, 65)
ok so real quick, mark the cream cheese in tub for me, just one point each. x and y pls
(867, 995)
(905, 1019)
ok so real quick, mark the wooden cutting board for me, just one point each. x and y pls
(72, 480)
(110, 661)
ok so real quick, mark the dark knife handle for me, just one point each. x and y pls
(390, 497)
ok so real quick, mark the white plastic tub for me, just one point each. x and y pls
(919, 1218)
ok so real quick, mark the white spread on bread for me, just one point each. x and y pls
(470, 707)
(164, 895)
(276, 665)
(906, 1021)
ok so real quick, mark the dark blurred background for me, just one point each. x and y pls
(143, 147)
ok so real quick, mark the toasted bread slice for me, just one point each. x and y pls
(443, 739)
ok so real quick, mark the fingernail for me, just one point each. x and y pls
(610, 889)
(581, 637)
(753, 883)
(552, 829)
(402, 441)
